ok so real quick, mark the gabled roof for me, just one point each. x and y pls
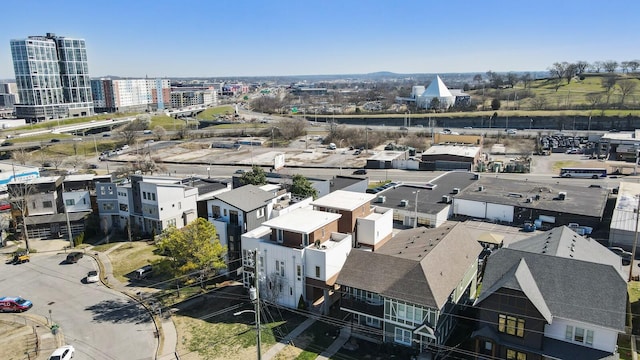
(421, 266)
(437, 88)
(246, 198)
(572, 289)
(564, 242)
(519, 278)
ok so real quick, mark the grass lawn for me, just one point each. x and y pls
(311, 343)
(211, 331)
(210, 113)
(104, 247)
(131, 256)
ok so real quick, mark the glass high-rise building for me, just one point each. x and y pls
(52, 76)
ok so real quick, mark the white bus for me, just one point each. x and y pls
(593, 173)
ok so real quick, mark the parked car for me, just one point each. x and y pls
(144, 272)
(14, 304)
(55, 140)
(360, 172)
(73, 257)
(7, 143)
(512, 132)
(240, 171)
(625, 255)
(92, 276)
(63, 353)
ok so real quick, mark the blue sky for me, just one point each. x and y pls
(213, 38)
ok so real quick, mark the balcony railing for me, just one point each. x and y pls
(362, 306)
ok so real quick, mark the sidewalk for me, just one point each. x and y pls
(275, 349)
(345, 333)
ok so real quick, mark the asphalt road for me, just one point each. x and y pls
(99, 322)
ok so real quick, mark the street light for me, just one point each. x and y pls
(415, 223)
(208, 172)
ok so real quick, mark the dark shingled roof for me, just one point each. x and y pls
(421, 266)
(578, 290)
(246, 198)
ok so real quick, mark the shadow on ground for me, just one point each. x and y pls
(119, 311)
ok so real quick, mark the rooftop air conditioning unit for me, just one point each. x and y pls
(562, 195)
(381, 199)
(446, 199)
(476, 176)
(404, 203)
(480, 188)
(456, 190)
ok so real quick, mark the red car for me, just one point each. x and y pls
(14, 304)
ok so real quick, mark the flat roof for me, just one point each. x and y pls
(302, 221)
(386, 155)
(79, 177)
(580, 200)
(343, 200)
(429, 201)
(624, 214)
(457, 150)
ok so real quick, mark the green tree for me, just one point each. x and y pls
(302, 187)
(195, 247)
(256, 176)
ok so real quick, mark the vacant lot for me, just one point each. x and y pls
(131, 256)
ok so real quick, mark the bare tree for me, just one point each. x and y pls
(57, 160)
(610, 66)
(20, 194)
(159, 132)
(626, 87)
(526, 80)
(291, 128)
(581, 66)
(596, 66)
(634, 65)
(477, 78)
(128, 132)
(608, 83)
(624, 66)
(557, 70)
(570, 72)
(512, 79)
(21, 156)
(594, 99)
(539, 103)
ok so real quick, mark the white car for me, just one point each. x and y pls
(63, 353)
(92, 277)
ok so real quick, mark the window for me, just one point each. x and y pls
(318, 271)
(144, 195)
(260, 213)
(124, 207)
(47, 204)
(225, 212)
(511, 325)
(280, 267)
(515, 355)
(568, 333)
(372, 321)
(70, 202)
(299, 272)
(279, 235)
(107, 206)
(153, 196)
(589, 337)
(402, 336)
(305, 239)
(578, 335)
(215, 211)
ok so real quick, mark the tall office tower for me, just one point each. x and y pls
(52, 77)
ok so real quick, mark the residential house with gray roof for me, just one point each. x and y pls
(551, 296)
(409, 290)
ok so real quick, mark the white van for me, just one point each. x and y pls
(331, 146)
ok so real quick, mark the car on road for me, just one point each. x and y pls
(63, 353)
(14, 304)
(147, 132)
(55, 140)
(240, 171)
(512, 132)
(93, 277)
(360, 172)
(403, 128)
(73, 257)
(7, 143)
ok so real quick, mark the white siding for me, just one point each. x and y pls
(373, 229)
(499, 212)
(81, 200)
(603, 339)
(330, 261)
(476, 209)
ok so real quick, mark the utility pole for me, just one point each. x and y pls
(635, 241)
(254, 295)
(66, 213)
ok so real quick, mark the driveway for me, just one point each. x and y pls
(99, 322)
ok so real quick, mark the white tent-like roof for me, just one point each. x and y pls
(437, 88)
